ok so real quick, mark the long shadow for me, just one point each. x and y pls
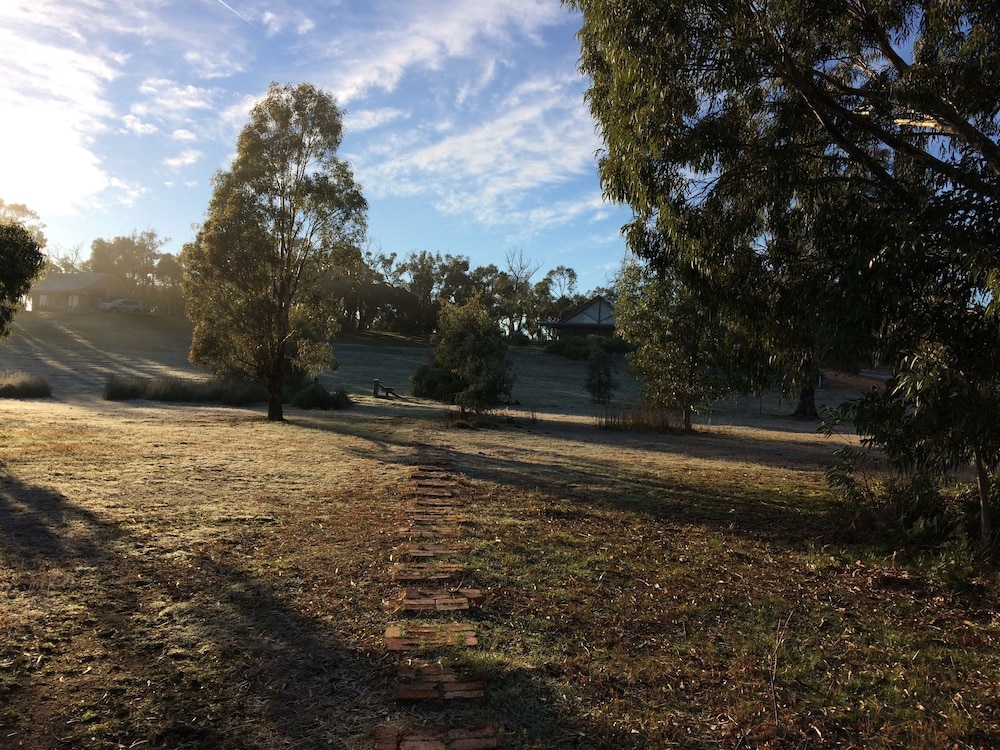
(176, 651)
(787, 518)
(132, 644)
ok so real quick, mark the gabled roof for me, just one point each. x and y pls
(600, 311)
(70, 282)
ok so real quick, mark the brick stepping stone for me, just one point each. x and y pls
(420, 491)
(477, 738)
(439, 471)
(428, 530)
(434, 502)
(431, 550)
(439, 482)
(426, 571)
(437, 512)
(435, 682)
(433, 600)
(413, 636)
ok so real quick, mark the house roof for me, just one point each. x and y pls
(598, 312)
(70, 282)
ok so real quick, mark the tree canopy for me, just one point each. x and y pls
(830, 170)
(278, 222)
(21, 260)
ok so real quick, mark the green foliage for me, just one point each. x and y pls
(23, 385)
(600, 382)
(317, 396)
(828, 174)
(683, 355)
(435, 382)
(21, 261)
(279, 222)
(231, 392)
(581, 347)
(644, 419)
(471, 350)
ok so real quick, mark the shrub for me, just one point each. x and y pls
(580, 347)
(644, 419)
(231, 392)
(435, 382)
(316, 396)
(910, 510)
(470, 359)
(23, 385)
(600, 382)
(117, 388)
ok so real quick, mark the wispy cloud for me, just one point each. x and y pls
(132, 124)
(168, 99)
(542, 137)
(424, 34)
(184, 159)
(369, 119)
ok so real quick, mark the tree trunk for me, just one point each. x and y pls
(807, 403)
(808, 376)
(985, 525)
(687, 418)
(275, 386)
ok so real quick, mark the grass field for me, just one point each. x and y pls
(196, 577)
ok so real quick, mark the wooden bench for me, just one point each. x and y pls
(381, 390)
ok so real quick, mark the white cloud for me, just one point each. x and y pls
(184, 159)
(165, 98)
(369, 119)
(214, 63)
(275, 24)
(58, 89)
(181, 134)
(424, 35)
(135, 125)
(541, 137)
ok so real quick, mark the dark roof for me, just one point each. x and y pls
(599, 312)
(70, 282)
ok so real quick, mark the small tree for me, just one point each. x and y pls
(278, 222)
(471, 347)
(680, 353)
(21, 260)
(600, 382)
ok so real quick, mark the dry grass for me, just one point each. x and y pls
(195, 577)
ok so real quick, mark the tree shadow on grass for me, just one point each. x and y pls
(609, 481)
(126, 643)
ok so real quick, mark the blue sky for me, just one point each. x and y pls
(465, 123)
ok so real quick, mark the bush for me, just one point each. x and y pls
(316, 396)
(643, 419)
(23, 385)
(580, 347)
(435, 382)
(230, 392)
(910, 510)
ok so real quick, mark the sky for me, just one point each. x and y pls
(465, 121)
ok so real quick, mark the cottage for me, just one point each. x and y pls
(75, 292)
(596, 317)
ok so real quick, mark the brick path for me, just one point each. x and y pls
(429, 570)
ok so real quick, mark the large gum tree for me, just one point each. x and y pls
(279, 221)
(831, 171)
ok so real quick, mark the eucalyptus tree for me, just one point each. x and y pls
(278, 221)
(21, 261)
(832, 171)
